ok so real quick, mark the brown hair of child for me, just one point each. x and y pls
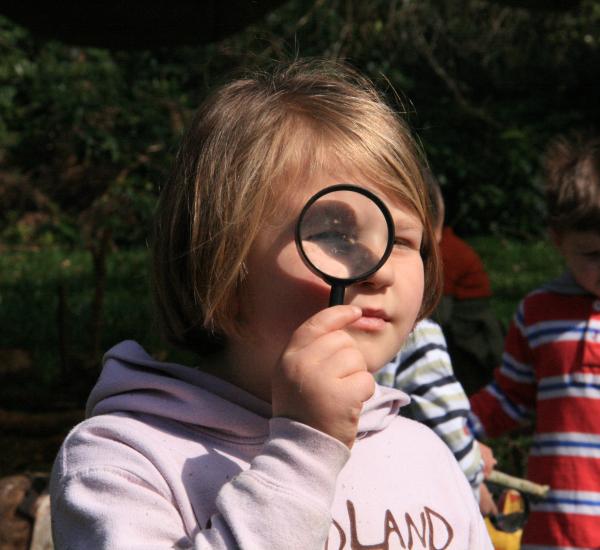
(572, 170)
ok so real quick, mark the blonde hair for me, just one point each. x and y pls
(253, 141)
(572, 169)
(435, 197)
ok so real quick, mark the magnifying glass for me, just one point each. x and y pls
(344, 234)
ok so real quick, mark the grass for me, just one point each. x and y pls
(515, 268)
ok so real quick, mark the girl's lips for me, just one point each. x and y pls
(371, 321)
(378, 313)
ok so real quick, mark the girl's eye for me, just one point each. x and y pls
(331, 235)
(399, 241)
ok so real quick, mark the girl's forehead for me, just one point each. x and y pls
(308, 185)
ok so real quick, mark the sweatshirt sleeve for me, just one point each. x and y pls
(282, 501)
(509, 400)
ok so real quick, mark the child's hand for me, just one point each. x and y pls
(322, 378)
(489, 461)
(487, 505)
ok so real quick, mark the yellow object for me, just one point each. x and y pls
(510, 502)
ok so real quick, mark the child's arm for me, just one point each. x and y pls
(117, 510)
(509, 401)
(281, 502)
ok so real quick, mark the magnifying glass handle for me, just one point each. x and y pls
(336, 297)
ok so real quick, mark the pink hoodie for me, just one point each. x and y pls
(171, 457)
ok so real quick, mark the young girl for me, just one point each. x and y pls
(280, 438)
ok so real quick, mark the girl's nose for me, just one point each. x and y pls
(383, 277)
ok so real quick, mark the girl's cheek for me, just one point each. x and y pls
(311, 293)
(291, 267)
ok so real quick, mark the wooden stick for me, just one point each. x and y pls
(523, 485)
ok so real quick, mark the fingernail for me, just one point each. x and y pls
(357, 310)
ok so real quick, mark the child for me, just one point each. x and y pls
(280, 439)
(473, 333)
(550, 373)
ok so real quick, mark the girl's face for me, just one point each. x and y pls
(280, 293)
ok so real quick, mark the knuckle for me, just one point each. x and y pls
(351, 359)
(291, 365)
(344, 339)
(364, 382)
(319, 321)
(355, 414)
(312, 323)
(359, 359)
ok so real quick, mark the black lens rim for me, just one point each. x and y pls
(388, 220)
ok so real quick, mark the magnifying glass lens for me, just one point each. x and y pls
(344, 234)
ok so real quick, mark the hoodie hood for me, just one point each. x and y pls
(133, 382)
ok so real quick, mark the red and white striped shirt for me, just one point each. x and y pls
(550, 374)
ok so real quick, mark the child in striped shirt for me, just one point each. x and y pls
(550, 372)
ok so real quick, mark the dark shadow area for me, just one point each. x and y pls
(137, 24)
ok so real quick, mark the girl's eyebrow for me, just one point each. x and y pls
(405, 225)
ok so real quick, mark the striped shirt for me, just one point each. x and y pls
(423, 370)
(550, 375)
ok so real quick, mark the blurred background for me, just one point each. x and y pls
(93, 101)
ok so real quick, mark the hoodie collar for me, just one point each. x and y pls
(132, 381)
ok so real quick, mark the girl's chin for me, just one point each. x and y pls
(377, 355)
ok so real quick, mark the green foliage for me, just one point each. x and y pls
(511, 452)
(80, 132)
(483, 84)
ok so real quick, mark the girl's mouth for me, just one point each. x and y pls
(372, 320)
